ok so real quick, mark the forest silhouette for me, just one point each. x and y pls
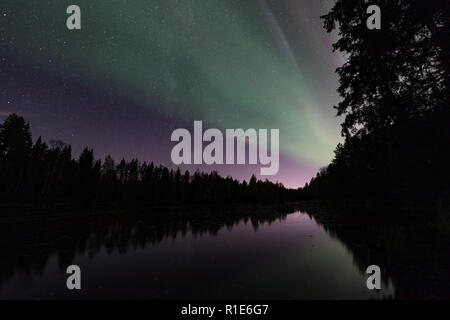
(38, 174)
(395, 100)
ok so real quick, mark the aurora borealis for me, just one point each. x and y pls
(140, 69)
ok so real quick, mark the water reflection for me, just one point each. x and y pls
(411, 245)
(222, 253)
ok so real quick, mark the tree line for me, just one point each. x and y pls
(395, 102)
(39, 173)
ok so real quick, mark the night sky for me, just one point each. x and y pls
(139, 69)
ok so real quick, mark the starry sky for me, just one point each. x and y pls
(138, 69)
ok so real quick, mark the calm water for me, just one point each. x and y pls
(216, 255)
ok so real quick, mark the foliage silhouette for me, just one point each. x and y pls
(395, 89)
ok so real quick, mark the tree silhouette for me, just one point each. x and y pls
(15, 151)
(395, 100)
